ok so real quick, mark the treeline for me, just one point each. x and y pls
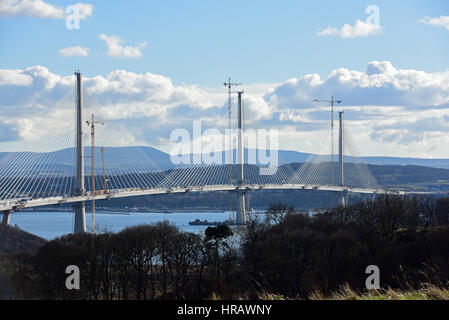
(407, 238)
(284, 253)
(142, 262)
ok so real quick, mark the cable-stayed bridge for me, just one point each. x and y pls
(65, 175)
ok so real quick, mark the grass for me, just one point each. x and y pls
(427, 292)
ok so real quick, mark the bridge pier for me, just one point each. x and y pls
(80, 218)
(6, 217)
(241, 209)
(80, 213)
(344, 199)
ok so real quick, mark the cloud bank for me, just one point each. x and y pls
(389, 111)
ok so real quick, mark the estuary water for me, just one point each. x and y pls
(50, 225)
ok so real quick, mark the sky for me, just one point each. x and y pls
(151, 67)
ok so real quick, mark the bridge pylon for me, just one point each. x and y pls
(344, 196)
(80, 212)
(241, 206)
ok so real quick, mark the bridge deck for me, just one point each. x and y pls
(121, 193)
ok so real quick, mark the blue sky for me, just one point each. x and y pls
(154, 66)
(202, 42)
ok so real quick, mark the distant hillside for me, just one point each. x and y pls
(433, 163)
(127, 158)
(138, 159)
(289, 156)
(14, 240)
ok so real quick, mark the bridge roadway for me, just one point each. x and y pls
(17, 204)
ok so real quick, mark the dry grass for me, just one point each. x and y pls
(427, 292)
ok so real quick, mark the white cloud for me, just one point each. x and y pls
(85, 9)
(74, 51)
(389, 111)
(119, 97)
(40, 9)
(14, 78)
(380, 84)
(442, 21)
(360, 29)
(8, 131)
(115, 48)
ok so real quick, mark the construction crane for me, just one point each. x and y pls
(331, 101)
(92, 124)
(229, 85)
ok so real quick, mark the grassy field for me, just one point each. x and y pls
(427, 292)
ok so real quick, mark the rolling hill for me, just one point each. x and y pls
(149, 158)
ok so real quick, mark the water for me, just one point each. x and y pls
(50, 225)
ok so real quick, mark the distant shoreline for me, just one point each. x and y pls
(149, 210)
(126, 210)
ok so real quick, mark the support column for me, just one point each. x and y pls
(344, 198)
(340, 151)
(241, 208)
(6, 217)
(80, 213)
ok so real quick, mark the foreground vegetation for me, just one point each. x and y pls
(15, 240)
(287, 254)
(427, 292)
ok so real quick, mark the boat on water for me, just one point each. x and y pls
(198, 222)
